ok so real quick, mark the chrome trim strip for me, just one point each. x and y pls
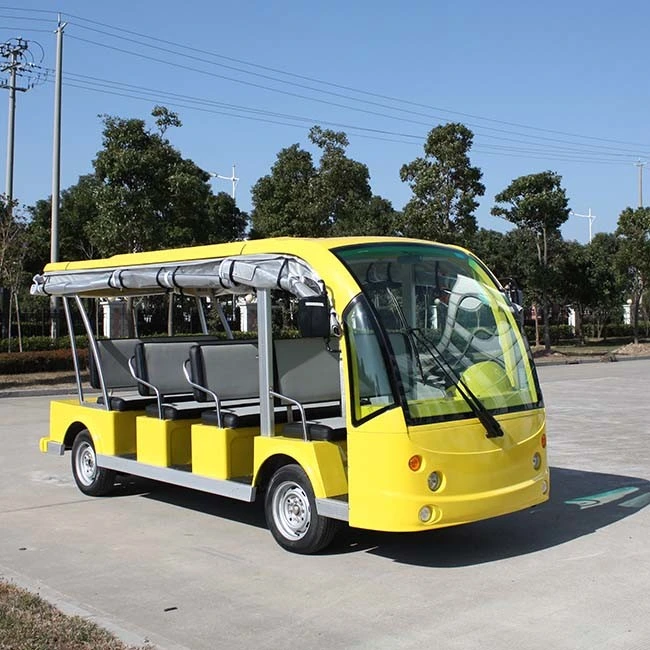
(226, 488)
(333, 508)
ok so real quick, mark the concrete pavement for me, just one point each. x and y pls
(186, 570)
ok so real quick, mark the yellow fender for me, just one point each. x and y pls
(322, 462)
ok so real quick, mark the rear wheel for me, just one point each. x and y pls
(90, 479)
(290, 508)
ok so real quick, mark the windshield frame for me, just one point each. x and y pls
(489, 283)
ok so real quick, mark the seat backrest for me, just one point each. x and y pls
(160, 363)
(114, 355)
(229, 369)
(307, 371)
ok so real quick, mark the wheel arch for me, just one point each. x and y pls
(321, 461)
(269, 467)
(73, 430)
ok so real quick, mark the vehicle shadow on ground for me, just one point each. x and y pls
(580, 503)
(251, 514)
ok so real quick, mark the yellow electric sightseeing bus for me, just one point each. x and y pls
(408, 401)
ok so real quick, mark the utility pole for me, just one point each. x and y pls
(231, 178)
(589, 216)
(13, 51)
(640, 165)
(56, 172)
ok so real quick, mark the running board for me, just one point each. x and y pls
(333, 508)
(183, 478)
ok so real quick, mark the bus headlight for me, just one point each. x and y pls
(425, 514)
(434, 481)
(537, 461)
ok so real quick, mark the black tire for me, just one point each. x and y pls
(290, 509)
(90, 479)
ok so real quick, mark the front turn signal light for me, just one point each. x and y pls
(415, 462)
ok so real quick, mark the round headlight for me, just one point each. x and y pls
(434, 481)
(425, 514)
(537, 461)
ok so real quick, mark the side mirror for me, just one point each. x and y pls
(314, 317)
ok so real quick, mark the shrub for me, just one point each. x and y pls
(15, 363)
(39, 343)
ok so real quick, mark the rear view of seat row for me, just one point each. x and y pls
(218, 381)
(306, 375)
(153, 360)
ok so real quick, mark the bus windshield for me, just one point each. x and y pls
(449, 332)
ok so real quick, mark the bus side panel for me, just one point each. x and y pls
(481, 477)
(113, 432)
(322, 462)
(222, 453)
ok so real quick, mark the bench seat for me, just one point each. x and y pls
(327, 429)
(124, 403)
(249, 416)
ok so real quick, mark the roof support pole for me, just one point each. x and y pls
(265, 351)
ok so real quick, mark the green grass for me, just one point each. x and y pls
(27, 622)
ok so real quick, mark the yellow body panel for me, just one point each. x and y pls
(222, 453)
(481, 477)
(322, 462)
(113, 432)
(163, 442)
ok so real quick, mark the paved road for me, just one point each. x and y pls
(191, 571)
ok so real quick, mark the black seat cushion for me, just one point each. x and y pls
(238, 418)
(177, 411)
(315, 431)
(127, 402)
(249, 416)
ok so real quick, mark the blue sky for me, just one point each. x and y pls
(554, 85)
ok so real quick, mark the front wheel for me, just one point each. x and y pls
(291, 516)
(90, 479)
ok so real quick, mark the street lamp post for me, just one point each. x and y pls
(589, 216)
(232, 178)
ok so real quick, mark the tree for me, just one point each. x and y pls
(445, 188)
(13, 248)
(575, 281)
(633, 257)
(283, 200)
(607, 299)
(342, 185)
(77, 215)
(537, 203)
(297, 198)
(149, 196)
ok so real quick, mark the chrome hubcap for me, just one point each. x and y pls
(291, 510)
(86, 463)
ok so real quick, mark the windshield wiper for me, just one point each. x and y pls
(490, 423)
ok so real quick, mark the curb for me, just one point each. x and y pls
(131, 635)
(579, 362)
(38, 392)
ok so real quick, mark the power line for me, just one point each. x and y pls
(91, 82)
(121, 30)
(268, 117)
(336, 85)
(508, 132)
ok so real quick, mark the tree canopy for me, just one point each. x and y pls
(537, 203)
(334, 198)
(150, 197)
(633, 257)
(445, 187)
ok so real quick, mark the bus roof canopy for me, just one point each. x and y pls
(215, 276)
